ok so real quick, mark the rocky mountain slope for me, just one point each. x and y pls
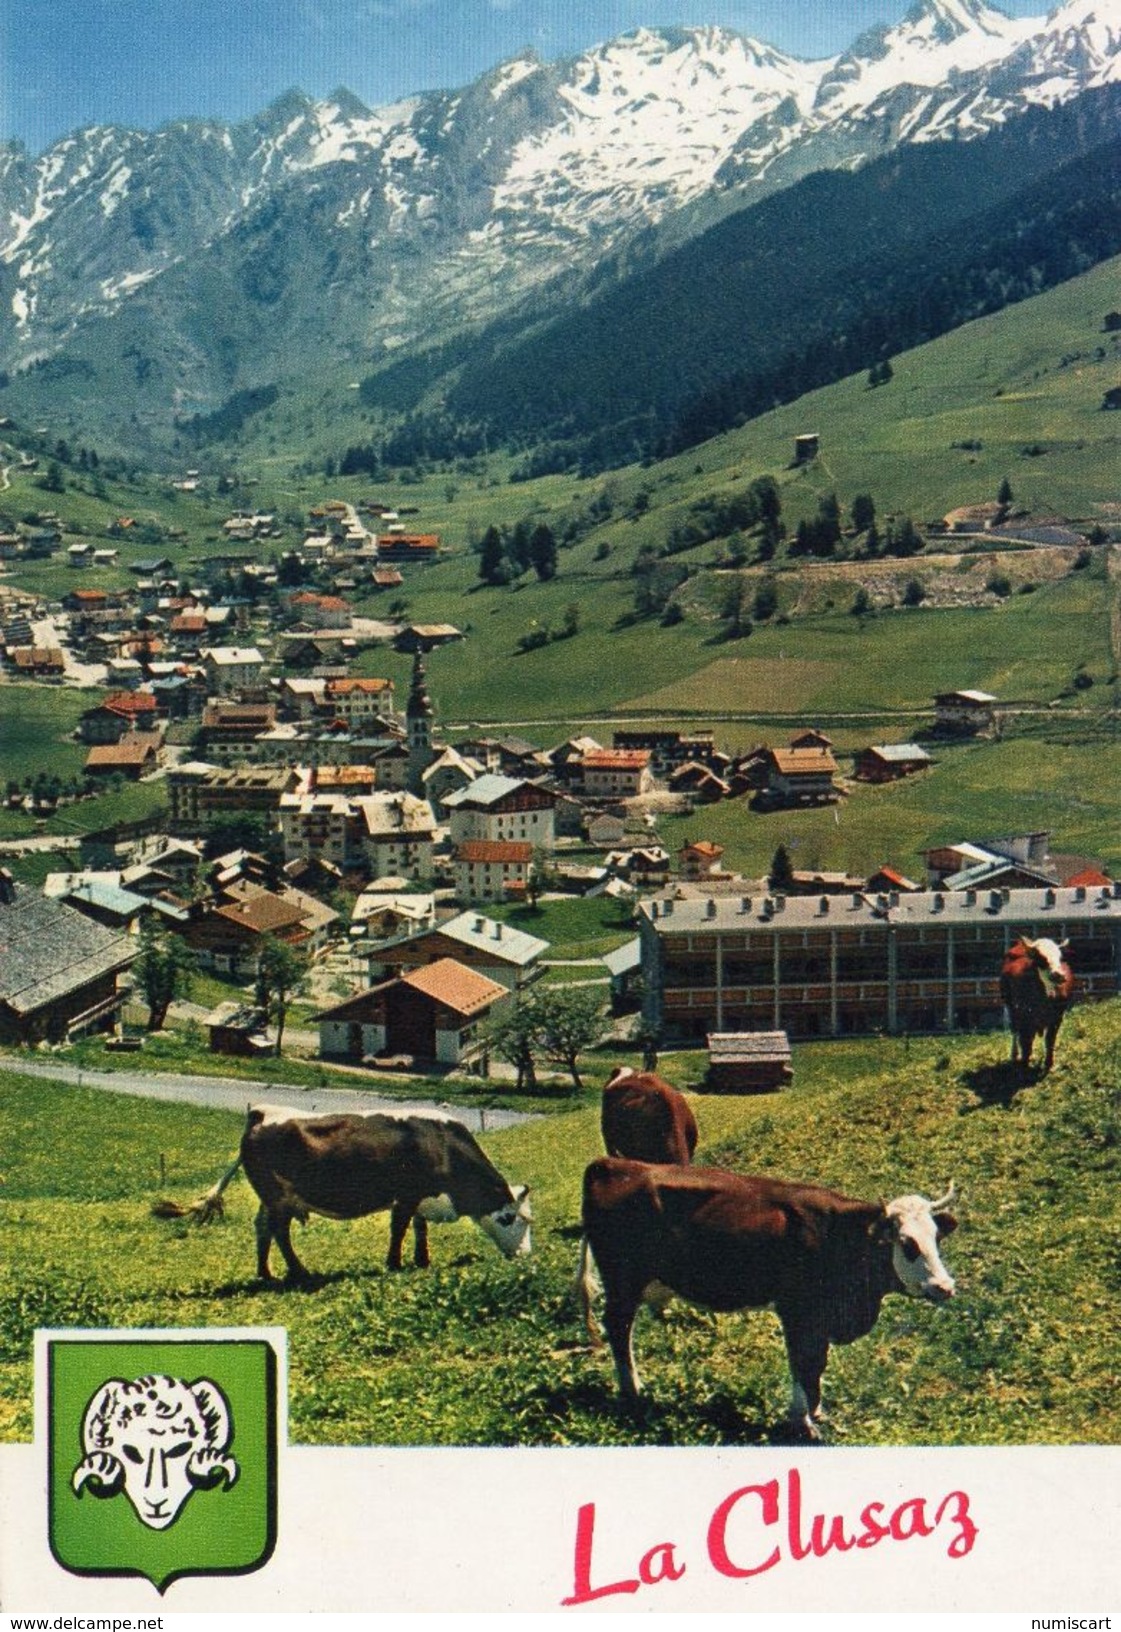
(324, 232)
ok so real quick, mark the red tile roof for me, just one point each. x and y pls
(494, 850)
(454, 985)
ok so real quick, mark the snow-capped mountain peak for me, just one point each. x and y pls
(538, 170)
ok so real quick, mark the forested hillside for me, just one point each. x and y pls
(835, 275)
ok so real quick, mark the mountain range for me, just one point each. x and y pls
(149, 276)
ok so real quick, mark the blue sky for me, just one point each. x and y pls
(66, 63)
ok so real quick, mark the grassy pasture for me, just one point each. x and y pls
(478, 1351)
(1062, 785)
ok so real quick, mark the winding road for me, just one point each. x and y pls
(235, 1094)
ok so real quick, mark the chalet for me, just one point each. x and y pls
(605, 831)
(387, 911)
(386, 578)
(889, 762)
(500, 808)
(230, 730)
(228, 939)
(41, 542)
(433, 1014)
(799, 776)
(811, 738)
(107, 903)
(79, 555)
(320, 611)
(700, 781)
(188, 630)
(624, 966)
(964, 713)
(239, 1029)
(199, 793)
(1031, 850)
(806, 447)
(378, 833)
(565, 761)
(616, 773)
(59, 972)
(817, 881)
(668, 748)
(492, 870)
(232, 668)
(117, 713)
(134, 756)
(38, 662)
(448, 772)
(347, 779)
(974, 518)
(887, 879)
(359, 701)
(507, 955)
(318, 919)
(748, 1062)
(408, 549)
(421, 637)
(302, 698)
(923, 961)
(699, 859)
(647, 866)
(399, 836)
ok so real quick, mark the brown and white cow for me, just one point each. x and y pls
(1036, 987)
(642, 1117)
(422, 1169)
(822, 1260)
(645, 1118)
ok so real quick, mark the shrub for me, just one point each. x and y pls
(998, 583)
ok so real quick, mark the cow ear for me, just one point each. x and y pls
(946, 1223)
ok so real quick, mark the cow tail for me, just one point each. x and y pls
(583, 1289)
(207, 1207)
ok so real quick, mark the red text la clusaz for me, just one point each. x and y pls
(757, 1528)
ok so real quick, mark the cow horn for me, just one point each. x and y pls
(104, 1474)
(946, 1200)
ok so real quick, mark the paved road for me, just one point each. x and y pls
(232, 1094)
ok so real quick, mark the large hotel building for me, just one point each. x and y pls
(834, 966)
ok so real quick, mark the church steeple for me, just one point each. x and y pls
(418, 725)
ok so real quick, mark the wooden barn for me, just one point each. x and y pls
(748, 1062)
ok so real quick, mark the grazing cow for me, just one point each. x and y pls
(1036, 987)
(426, 1169)
(823, 1261)
(646, 1119)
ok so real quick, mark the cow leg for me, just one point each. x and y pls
(1049, 1059)
(807, 1353)
(263, 1227)
(282, 1234)
(399, 1221)
(618, 1320)
(420, 1242)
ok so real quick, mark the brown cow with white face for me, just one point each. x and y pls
(1036, 987)
(823, 1261)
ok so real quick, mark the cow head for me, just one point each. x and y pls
(158, 1439)
(508, 1226)
(1046, 957)
(914, 1226)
